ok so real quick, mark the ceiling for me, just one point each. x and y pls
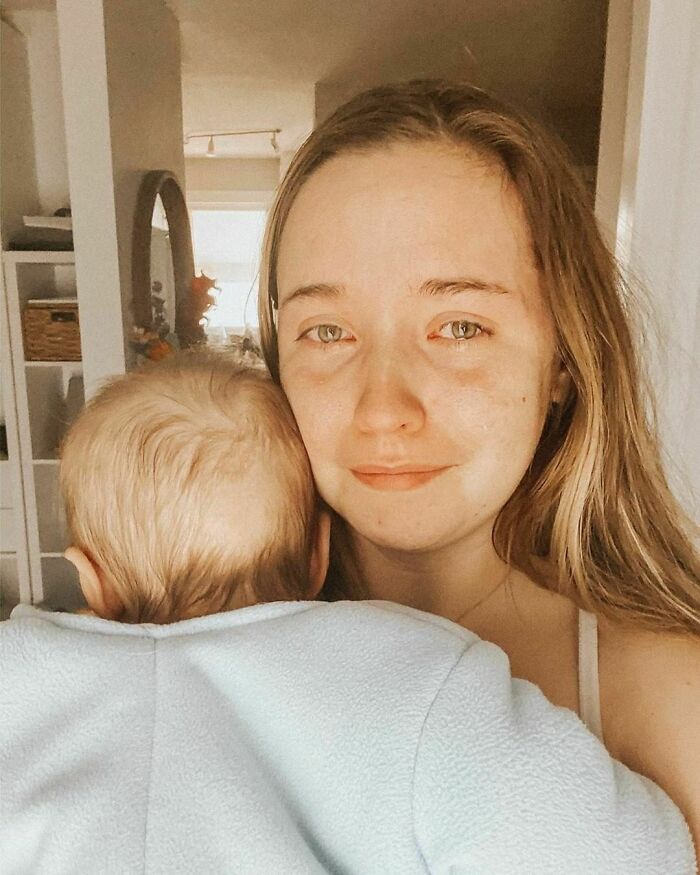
(283, 63)
(253, 63)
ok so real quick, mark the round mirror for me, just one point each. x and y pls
(163, 263)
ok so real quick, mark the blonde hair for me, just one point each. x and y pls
(594, 507)
(186, 480)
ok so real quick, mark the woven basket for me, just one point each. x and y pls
(51, 331)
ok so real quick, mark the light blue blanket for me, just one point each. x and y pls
(304, 737)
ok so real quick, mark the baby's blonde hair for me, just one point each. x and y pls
(187, 479)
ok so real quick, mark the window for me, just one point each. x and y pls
(227, 242)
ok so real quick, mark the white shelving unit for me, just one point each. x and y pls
(39, 413)
(15, 585)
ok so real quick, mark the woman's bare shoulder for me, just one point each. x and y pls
(650, 701)
(645, 677)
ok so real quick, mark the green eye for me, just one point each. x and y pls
(329, 333)
(463, 330)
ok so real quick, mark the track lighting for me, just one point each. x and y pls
(209, 135)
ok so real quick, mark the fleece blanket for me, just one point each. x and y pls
(304, 737)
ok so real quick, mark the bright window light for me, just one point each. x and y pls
(227, 245)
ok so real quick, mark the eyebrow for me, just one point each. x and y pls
(430, 288)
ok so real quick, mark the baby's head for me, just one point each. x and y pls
(188, 491)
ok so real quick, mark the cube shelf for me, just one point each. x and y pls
(45, 397)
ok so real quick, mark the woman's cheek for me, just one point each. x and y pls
(495, 407)
(319, 410)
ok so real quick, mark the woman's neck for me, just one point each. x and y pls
(447, 581)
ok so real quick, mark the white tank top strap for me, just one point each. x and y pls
(588, 681)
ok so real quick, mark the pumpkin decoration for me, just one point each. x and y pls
(158, 349)
(202, 299)
(150, 344)
(191, 314)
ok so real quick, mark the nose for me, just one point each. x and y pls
(386, 403)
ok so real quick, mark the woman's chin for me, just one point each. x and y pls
(429, 517)
(404, 534)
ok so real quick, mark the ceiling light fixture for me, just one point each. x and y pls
(209, 135)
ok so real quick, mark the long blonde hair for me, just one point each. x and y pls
(594, 506)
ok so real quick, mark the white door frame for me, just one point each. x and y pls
(648, 201)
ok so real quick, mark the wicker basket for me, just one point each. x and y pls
(51, 330)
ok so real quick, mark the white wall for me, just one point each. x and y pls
(210, 177)
(19, 190)
(120, 62)
(649, 199)
(145, 99)
(40, 29)
(664, 204)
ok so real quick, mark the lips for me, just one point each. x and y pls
(399, 477)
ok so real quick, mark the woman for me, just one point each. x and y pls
(455, 341)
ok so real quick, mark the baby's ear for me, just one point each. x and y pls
(99, 594)
(320, 554)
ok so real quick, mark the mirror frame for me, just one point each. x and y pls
(164, 183)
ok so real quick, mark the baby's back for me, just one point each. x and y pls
(303, 737)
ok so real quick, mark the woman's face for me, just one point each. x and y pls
(413, 335)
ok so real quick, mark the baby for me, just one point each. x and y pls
(212, 717)
(188, 491)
